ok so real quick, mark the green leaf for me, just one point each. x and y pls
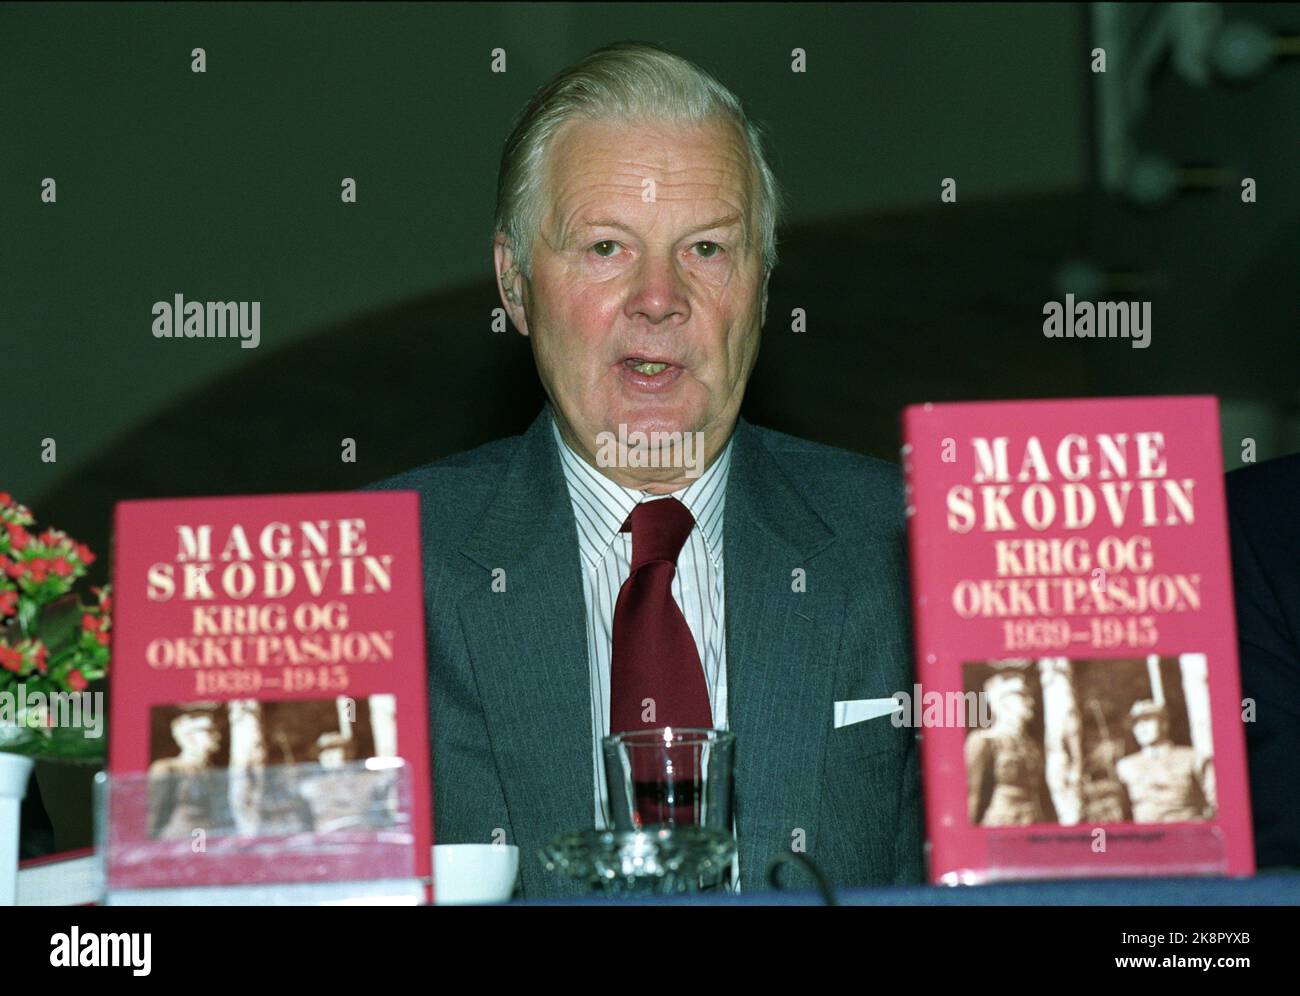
(60, 622)
(28, 609)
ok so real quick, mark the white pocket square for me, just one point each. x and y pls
(853, 711)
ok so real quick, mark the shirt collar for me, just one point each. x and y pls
(600, 507)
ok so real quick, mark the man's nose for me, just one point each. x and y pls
(659, 290)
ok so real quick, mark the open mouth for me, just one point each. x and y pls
(648, 368)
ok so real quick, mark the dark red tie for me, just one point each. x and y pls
(654, 655)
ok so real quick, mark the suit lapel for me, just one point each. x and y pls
(780, 655)
(528, 645)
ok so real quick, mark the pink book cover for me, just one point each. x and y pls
(1078, 694)
(268, 721)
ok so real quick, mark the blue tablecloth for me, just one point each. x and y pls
(1270, 888)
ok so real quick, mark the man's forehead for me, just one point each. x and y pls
(647, 136)
(687, 161)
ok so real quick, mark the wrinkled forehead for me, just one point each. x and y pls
(627, 165)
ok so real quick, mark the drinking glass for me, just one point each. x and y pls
(669, 777)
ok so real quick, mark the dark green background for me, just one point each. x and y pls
(375, 316)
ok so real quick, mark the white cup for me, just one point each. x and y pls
(474, 873)
(14, 770)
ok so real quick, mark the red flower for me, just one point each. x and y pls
(11, 659)
(8, 603)
(14, 569)
(61, 567)
(83, 552)
(107, 604)
(76, 681)
(6, 499)
(50, 537)
(38, 654)
(102, 637)
(89, 623)
(18, 536)
(38, 569)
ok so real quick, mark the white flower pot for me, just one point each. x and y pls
(14, 772)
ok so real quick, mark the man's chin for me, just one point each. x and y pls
(653, 443)
(660, 415)
(652, 425)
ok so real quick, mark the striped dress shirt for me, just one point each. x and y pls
(600, 507)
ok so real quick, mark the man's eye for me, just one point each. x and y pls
(604, 242)
(713, 248)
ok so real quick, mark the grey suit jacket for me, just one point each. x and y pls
(509, 690)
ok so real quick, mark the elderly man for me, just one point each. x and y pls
(643, 556)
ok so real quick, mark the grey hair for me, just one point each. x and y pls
(628, 81)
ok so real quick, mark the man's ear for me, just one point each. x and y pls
(510, 283)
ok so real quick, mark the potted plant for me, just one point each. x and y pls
(52, 647)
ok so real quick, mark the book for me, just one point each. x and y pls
(269, 721)
(68, 878)
(1077, 693)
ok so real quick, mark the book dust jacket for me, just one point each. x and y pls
(269, 721)
(1078, 693)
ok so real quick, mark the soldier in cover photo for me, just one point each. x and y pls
(1165, 782)
(343, 797)
(187, 792)
(1004, 766)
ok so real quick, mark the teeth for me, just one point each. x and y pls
(650, 369)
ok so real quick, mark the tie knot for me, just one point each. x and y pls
(658, 528)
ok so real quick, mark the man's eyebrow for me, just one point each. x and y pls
(727, 221)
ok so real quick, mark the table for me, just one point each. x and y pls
(1268, 888)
